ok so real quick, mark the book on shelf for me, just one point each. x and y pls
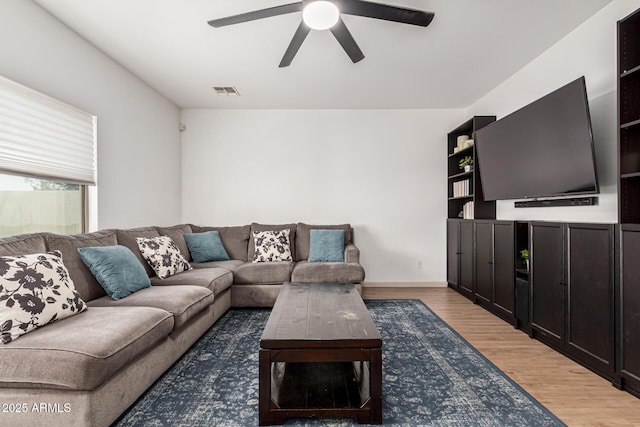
(467, 210)
(461, 188)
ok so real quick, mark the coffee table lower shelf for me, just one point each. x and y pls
(322, 383)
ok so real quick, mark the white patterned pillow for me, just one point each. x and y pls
(35, 290)
(162, 254)
(272, 246)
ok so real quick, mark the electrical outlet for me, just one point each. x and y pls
(419, 265)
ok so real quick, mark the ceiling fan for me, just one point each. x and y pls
(325, 14)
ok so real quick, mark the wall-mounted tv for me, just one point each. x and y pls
(544, 149)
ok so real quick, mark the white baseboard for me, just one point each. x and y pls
(404, 284)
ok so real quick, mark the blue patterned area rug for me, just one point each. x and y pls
(431, 377)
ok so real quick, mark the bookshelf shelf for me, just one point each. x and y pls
(627, 73)
(629, 119)
(472, 205)
(460, 175)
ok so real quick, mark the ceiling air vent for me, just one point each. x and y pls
(226, 91)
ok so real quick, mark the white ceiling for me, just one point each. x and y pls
(469, 48)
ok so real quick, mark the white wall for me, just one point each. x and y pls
(589, 50)
(138, 138)
(382, 171)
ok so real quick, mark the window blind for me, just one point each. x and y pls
(43, 137)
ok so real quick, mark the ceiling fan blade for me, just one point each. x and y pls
(256, 14)
(296, 42)
(385, 12)
(344, 37)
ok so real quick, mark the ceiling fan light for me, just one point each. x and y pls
(320, 15)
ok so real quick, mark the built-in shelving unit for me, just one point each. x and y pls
(456, 176)
(627, 292)
(522, 277)
(579, 293)
(629, 119)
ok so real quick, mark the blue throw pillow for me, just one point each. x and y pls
(116, 268)
(326, 245)
(205, 247)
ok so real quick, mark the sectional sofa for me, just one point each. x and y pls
(87, 369)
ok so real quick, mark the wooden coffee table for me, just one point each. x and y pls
(320, 356)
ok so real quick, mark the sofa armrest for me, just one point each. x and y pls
(351, 254)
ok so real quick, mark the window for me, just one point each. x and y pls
(47, 160)
(29, 205)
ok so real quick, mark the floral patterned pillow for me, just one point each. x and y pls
(272, 246)
(35, 290)
(163, 255)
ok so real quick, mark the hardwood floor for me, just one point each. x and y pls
(573, 393)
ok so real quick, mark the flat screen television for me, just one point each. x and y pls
(544, 149)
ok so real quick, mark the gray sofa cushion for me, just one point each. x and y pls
(183, 302)
(263, 273)
(340, 272)
(214, 279)
(235, 239)
(271, 227)
(81, 352)
(177, 233)
(351, 254)
(86, 284)
(23, 245)
(128, 238)
(303, 240)
(255, 295)
(230, 265)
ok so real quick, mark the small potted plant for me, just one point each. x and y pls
(524, 254)
(466, 164)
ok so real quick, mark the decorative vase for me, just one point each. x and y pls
(468, 168)
(526, 264)
(461, 139)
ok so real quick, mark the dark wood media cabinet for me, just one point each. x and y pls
(580, 294)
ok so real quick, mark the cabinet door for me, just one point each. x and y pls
(453, 252)
(590, 295)
(503, 267)
(466, 259)
(630, 306)
(547, 281)
(484, 261)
